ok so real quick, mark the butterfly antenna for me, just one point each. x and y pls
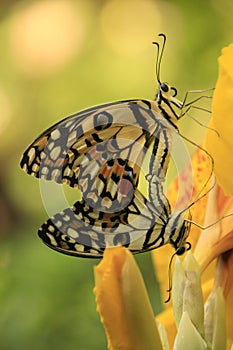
(159, 56)
(162, 51)
(156, 64)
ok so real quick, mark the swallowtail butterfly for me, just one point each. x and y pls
(100, 150)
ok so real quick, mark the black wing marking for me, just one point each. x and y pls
(108, 130)
(86, 232)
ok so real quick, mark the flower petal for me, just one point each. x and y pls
(224, 280)
(163, 336)
(188, 336)
(123, 302)
(215, 320)
(201, 170)
(167, 319)
(218, 238)
(186, 289)
(221, 147)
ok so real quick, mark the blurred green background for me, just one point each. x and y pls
(58, 57)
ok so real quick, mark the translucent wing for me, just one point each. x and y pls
(101, 151)
(86, 232)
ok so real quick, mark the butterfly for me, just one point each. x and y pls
(100, 151)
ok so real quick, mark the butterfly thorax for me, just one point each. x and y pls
(177, 230)
(167, 104)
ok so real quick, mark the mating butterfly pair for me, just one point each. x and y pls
(101, 151)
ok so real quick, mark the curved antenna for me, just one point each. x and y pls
(159, 56)
(179, 251)
(157, 60)
(162, 51)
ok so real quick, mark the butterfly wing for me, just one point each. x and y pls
(101, 150)
(86, 232)
(95, 134)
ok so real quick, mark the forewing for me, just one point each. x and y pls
(117, 130)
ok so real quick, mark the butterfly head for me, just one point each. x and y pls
(166, 95)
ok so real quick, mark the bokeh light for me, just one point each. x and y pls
(6, 110)
(128, 25)
(45, 35)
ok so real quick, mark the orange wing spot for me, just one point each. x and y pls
(118, 169)
(105, 171)
(42, 143)
(58, 164)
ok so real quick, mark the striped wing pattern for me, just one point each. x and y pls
(84, 231)
(100, 151)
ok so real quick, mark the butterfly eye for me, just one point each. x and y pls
(164, 87)
(102, 120)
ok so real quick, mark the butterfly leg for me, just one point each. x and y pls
(187, 105)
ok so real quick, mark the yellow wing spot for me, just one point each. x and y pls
(31, 155)
(54, 154)
(72, 233)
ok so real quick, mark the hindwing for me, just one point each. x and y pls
(84, 231)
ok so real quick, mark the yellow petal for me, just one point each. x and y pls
(221, 147)
(201, 170)
(180, 192)
(123, 303)
(218, 238)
